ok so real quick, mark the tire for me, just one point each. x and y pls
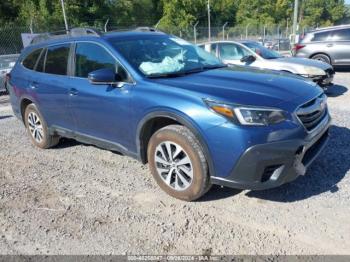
(37, 128)
(183, 178)
(323, 58)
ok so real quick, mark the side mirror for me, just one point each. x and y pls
(104, 76)
(248, 59)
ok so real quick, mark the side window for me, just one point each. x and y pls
(323, 36)
(213, 49)
(90, 57)
(230, 51)
(341, 35)
(40, 67)
(57, 59)
(30, 61)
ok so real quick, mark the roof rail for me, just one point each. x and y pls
(146, 29)
(74, 32)
(81, 31)
(137, 29)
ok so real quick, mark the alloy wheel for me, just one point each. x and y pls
(35, 127)
(173, 165)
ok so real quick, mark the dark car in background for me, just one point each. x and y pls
(330, 45)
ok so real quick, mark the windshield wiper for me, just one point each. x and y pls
(209, 67)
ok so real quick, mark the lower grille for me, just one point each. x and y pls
(313, 112)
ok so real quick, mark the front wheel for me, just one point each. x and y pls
(37, 128)
(177, 163)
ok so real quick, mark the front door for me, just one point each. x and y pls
(231, 53)
(101, 111)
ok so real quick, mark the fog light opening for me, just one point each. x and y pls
(271, 173)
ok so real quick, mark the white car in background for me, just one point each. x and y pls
(249, 53)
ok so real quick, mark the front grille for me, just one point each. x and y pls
(313, 112)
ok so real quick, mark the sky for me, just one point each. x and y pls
(347, 1)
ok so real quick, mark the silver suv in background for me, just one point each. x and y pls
(330, 45)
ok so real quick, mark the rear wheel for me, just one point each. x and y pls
(322, 58)
(37, 128)
(177, 163)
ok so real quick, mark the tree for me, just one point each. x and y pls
(321, 12)
(175, 15)
(9, 10)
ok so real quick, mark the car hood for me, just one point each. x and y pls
(301, 62)
(246, 86)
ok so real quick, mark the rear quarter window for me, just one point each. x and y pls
(30, 60)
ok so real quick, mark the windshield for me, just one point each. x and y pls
(158, 56)
(263, 51)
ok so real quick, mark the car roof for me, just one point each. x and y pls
(218, 41)
(242, 42)
(330, 28)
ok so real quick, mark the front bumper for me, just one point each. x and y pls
(270, 165)
(324, 80)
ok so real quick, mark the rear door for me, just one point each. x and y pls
(50, 87)
(22, 78)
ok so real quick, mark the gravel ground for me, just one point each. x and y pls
(78, 199)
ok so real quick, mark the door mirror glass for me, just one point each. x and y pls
(103, 76)
(248, 59)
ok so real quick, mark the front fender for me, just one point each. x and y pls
(183, 120)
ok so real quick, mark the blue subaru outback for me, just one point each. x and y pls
(162, 100)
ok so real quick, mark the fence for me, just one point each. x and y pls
(275, 36)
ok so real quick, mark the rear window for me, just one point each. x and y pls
(57, 59)
(30, 61)
(323, 36)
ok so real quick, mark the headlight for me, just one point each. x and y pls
(252, 116)
(313, 71)
(259, 116)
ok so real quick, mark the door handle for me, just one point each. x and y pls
(329, 45)
(73, 92)
(33, 85)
